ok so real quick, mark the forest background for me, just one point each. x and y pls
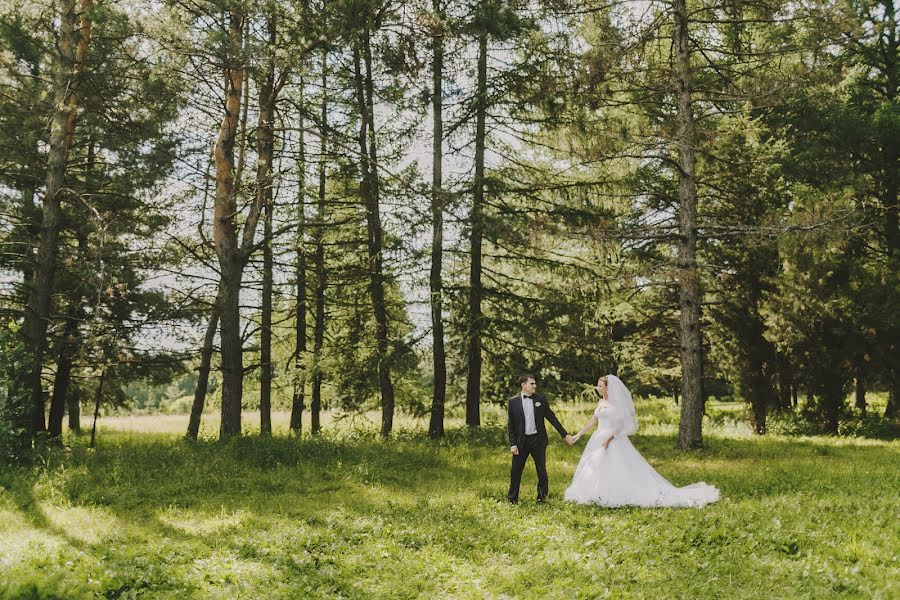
(359, 205)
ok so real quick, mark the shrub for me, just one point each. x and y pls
(871, 425)
(15, 445)
(852, 424)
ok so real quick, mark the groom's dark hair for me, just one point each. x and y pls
(524, 377)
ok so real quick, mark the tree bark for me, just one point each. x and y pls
(231, 348)
(97, 398)
(890, 152)
(73, 405)
(233, 253)
(203, 373)
(300, 302)
(759, 393)
(266, 371)
(68, 348)
(71, 340)
(241, 135)
(890, 156)
(265, 147)
(439, 395)
(225, 234)
(37, 310)
(859, 391)
(690, 427)
(370, 193)
(785, 385)
(890, 411)
(319, 240)
(31, 217)
(832, 402)
(61, 382)
(762, 392)
(473, 355)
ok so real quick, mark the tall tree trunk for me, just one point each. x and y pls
(71, 341)
(690, 427)
(891, 149)
(29, 230)
(73, 406)
(319, 232)
(890, 411)
(439, 395)
(97, 397)
(203, 373)
(37, 310)
(370, 192)
(241, 136)
(859, 390)
(206, 351)
(68, 348)
(473, 356)
(31, 175)
(225, 235)
(265, 351)
(762, 391)
(759, 392)
(890, 156)
(300, 303)
(785, 384)
(62, 380)
(265, 143)
(832, 402)
(231, 347)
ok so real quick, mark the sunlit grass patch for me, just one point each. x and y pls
(347, 514)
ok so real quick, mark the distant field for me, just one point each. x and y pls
(573, 415)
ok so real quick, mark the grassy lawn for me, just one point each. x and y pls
(348, 515)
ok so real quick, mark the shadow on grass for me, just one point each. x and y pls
(324, 497)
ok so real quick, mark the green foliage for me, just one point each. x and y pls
(812, 318)
(350, 515)
(15, 398)
(808, 422)
(748, 202)
(797, 127)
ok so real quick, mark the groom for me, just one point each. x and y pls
(528, 436)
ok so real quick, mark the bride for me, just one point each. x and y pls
(612, 472)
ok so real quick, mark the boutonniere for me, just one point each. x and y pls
(537, 403)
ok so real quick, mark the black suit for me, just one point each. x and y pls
(534, 445)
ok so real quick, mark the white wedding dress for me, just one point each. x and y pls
(618, 475)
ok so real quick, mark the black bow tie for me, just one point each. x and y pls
(526, 396)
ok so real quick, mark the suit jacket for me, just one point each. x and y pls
(516, 420)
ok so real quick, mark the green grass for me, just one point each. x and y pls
(348, 515)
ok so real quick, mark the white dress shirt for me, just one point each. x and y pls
(528, 409)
